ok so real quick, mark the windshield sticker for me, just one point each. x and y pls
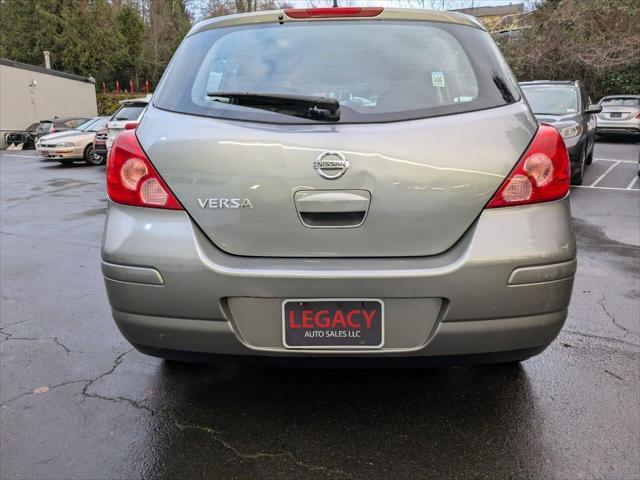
(437, 79)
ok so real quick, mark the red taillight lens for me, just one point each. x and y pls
(132, 180)
(638, 115)
(333, 12)
(542, 175)
(131, 125)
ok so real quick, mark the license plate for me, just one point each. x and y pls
(615, 115)
(333, 323)
(44, 153)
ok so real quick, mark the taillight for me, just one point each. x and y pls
(131, 125)
(132, 180)
(333, 12)
(541, 175)
(638, 115)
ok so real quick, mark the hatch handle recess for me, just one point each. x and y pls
(332, 208)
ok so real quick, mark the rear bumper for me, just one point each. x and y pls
(621, 126)
(504, 287)
(618, 130)
(100, 149)
(176, 338)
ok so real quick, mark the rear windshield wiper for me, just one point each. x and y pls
(306, 106)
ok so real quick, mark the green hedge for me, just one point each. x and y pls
(108, 102)
(623, 82)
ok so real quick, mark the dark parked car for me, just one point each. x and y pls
(100, 145)
(59, 124)
(565, 105)
(27, 137)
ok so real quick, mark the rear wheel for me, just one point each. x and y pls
(90, 158)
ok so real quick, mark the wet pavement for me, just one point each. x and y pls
(77, 402)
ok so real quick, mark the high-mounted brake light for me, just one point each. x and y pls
(132, 180)
(333, 12)
(541, 175)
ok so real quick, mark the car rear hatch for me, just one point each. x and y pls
(621, 113)
(413, 160)
(129, 113)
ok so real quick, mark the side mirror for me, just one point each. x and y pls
(593, 108)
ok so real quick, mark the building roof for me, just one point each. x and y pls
(499, 10)
(47, 71)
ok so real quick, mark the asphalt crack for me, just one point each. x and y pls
(87, 382)
(600, 337)
(66, 349)
(613, 319)
(2, 327)
(215, 435)
(613, 374)
(137, 405)
(116, 363)
(51, 387)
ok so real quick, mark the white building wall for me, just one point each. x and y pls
(27, 96)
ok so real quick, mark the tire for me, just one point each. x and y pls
(89, 158)
(576, 178)
(589, 159)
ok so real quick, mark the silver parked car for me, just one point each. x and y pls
(620, 114)
(358, 185)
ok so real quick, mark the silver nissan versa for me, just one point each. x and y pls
(347, 185)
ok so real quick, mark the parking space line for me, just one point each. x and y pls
(620, 189)
(633, 182)
(613, 160)
(605, 173)
(21, 156)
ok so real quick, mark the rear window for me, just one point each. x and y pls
(94, 125)
(74, 122)
(87, 124)
(44, 128)
(378, 70)
(552, 99)
(129, 112)
(621, 102)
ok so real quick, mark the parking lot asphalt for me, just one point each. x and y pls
(78, 402)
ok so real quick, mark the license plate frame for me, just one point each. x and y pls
(374, 337)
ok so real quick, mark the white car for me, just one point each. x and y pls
(126, 116)
(72, 145)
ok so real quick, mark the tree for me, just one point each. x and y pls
(27, 28)
(130, 27)
(590, 40)
(166, 24)
(88, 42)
